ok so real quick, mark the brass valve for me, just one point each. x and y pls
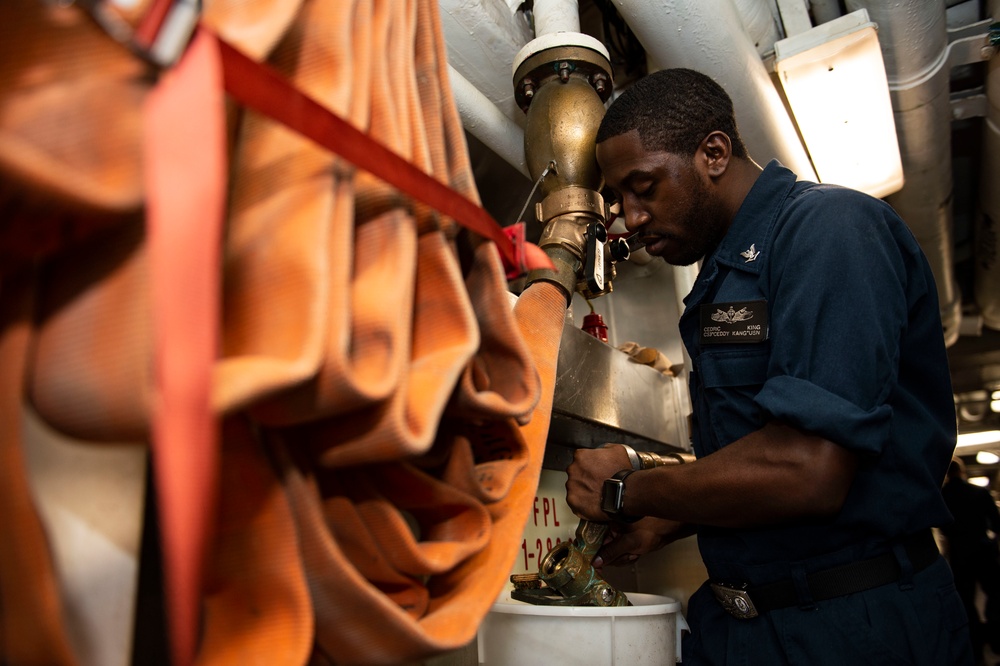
(562, 89)
(565, 575)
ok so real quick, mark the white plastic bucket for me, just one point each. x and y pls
(644, 634)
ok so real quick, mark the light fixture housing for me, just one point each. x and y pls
(834, 80)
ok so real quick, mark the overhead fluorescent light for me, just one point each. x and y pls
(834, 79)
(979, 438)
(981, 481)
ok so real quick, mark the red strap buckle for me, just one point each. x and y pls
(160, 35)
(518, 265)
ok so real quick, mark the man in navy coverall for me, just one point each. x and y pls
(823, 413)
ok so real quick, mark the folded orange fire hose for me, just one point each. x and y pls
(376, 470)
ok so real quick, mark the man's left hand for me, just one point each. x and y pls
(587, 472)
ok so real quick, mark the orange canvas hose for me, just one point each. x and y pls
(256, 601)
(466, 592)
(91, 374)
(405, 403)
(290, 234)
(31, 630)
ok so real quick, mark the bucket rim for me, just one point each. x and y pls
(642, 604)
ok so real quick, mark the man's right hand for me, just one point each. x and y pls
(625, 543)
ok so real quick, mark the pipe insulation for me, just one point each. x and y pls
(987, 271)
(708, 36)
(914, 41)
(556, 16)
(758, 20)
(482, 38)
(483, 120)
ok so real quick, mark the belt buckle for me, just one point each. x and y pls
(734, 600)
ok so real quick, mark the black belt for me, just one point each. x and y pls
(744, 601)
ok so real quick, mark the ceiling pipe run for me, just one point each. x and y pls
(708, 36)
(824, 10)
(556, 16)
(483, 120)
(758, 20)
(914, 41)
(482, 38)
(987, 272)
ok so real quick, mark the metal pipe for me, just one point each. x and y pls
(708, 35)
(987, 272)
(562, 80)
(556, 16)
(483, 120)
(824, 10)
(562, 127)
(758, 19)
(914, 42)
(482, 38)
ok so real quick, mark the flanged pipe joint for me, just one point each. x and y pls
(561, 81)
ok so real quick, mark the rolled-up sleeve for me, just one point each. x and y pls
(838, 308)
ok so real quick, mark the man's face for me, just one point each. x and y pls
(665, 198)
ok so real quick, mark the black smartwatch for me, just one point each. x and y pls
(613, 497)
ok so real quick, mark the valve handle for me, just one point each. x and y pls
(593, 263)
(619, 249)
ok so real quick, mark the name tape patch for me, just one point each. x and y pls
(733, 323)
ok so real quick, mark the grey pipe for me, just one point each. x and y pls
(824, 10)
(483, 120)
(914, 41)
(708, 35)
(987, 272)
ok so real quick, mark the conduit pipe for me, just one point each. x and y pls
(482, 37)
(824, 10)
(987, 273)
(483, 120)
(914, 41)
(708, 36)
(556, 16)
(759, 22)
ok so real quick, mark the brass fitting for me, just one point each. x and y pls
(561, 127)
(566, 576)
(567, 213)
(567, 568)
(563, 89)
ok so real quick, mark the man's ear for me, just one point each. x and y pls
(717, 150)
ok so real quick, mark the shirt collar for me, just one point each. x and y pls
(746, 244)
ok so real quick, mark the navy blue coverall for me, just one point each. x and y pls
(819, 310)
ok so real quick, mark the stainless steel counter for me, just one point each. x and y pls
(602, 396)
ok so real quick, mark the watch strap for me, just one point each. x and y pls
(620, 515)
(621, 475)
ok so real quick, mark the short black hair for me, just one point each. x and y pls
(673, 110)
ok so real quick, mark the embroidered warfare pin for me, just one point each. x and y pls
(733, 323)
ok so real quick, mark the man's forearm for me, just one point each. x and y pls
(776, 474)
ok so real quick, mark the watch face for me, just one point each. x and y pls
(611, 496)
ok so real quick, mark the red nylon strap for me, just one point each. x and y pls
(259, 87)
(185, 170)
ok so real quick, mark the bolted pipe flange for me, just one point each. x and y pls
(561, 63)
